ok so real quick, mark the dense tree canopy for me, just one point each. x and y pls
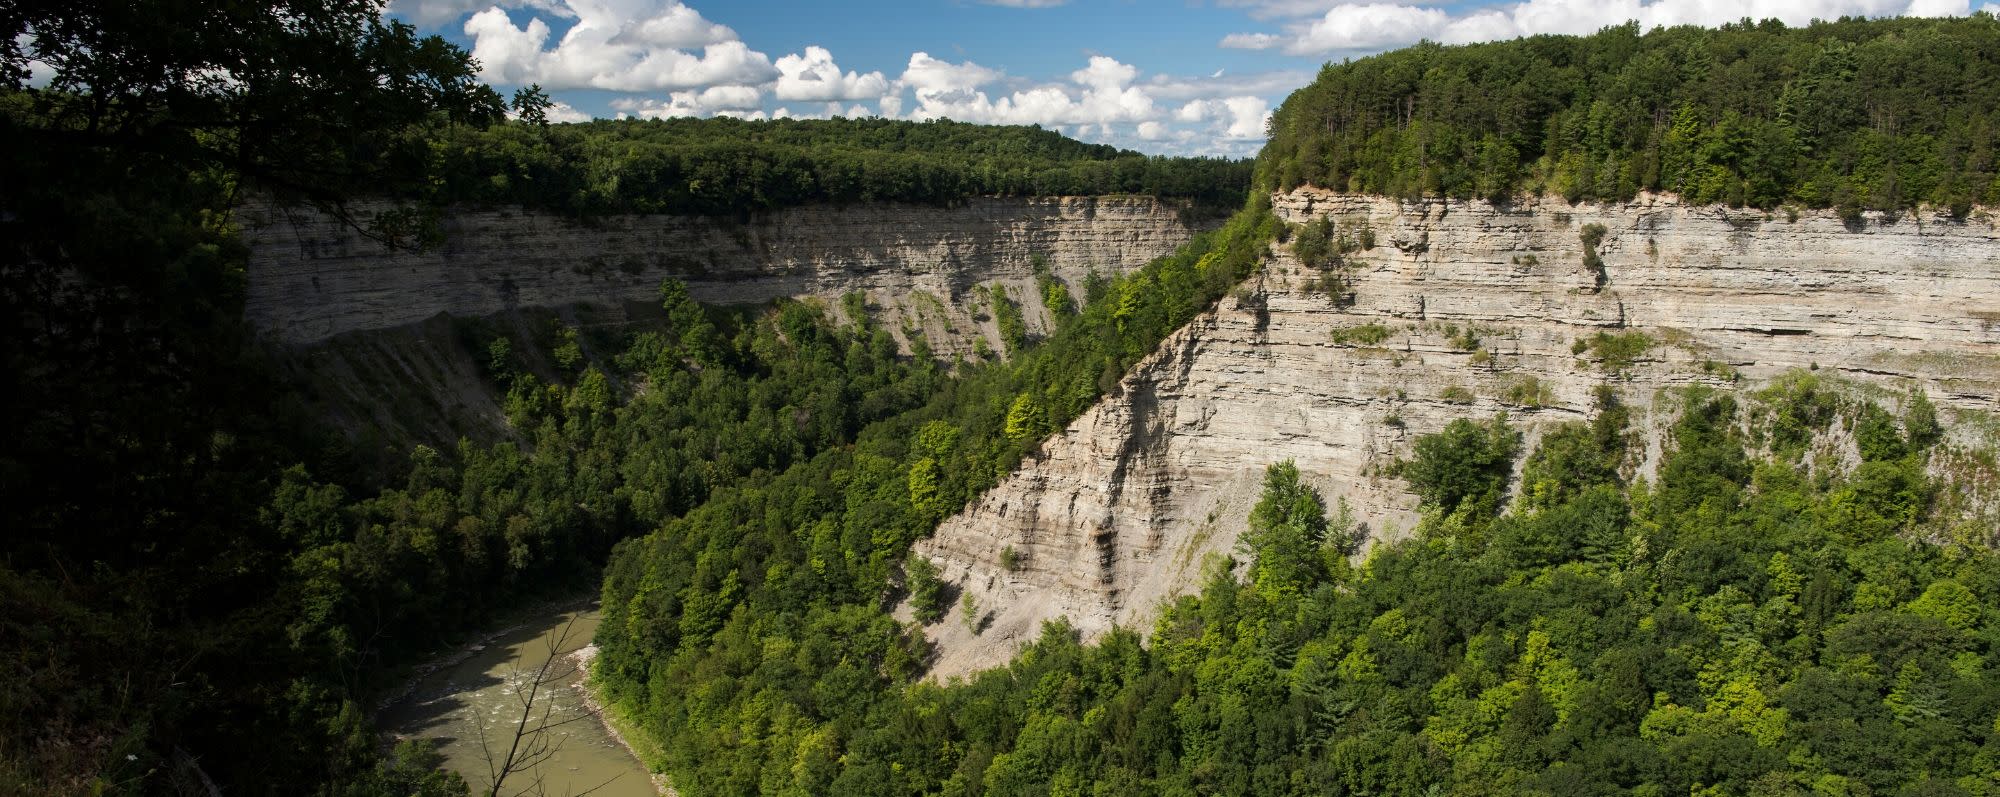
(1742, 626)
(724, 166)
(1854, 114)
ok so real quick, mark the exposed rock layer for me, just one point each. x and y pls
(1120, 510)
(313, 278)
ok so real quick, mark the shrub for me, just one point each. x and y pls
(1798, 408)
(1592, 235)
(1465, 339)
(1314, 243)
(968, 609)
(500, 358)
(1920, 420)
(1618, 352)
(926, 591)
(1007, 316)
(1528, 391)
(1055, 295)
(1368, 334)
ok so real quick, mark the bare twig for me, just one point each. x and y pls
(534, 742)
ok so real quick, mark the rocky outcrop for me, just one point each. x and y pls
(1461, 309)
(313, 277)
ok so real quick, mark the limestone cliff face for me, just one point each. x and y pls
(1478, 308)
(312, 278)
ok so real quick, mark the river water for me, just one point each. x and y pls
(482, 696)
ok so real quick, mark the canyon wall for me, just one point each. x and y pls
(1461, 309)
(313, 278)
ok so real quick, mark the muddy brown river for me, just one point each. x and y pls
(481, 697)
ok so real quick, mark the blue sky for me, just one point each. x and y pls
(1173, 77)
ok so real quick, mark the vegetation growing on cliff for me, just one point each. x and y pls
(1854, 114)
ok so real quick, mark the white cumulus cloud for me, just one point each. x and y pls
(1318, 28)
(1368, 27)
(444, 12)
(710, 101)
(613, 45)
(1100, 93)
(559, 112)
(675, 27)
(1241, 118)
(927, 75)
(814, 76)
(1105, 100)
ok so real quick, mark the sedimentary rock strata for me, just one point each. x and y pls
(313, 277)
(1461, 309)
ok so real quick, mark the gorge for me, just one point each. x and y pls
(1459, 309)
(1607, 415)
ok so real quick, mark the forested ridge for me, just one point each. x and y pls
(1853, 114)
(724, 166)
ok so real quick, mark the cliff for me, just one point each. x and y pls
(368, 332)
(313, 278)
(1461, 309)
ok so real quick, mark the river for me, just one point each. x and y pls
(481, 694)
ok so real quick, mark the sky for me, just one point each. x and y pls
(1179, 77)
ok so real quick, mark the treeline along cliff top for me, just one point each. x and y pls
(724, 166)
(1855, 114)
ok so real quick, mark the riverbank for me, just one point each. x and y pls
(471, 701)
(615, 723)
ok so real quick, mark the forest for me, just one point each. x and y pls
(198, 588)
(730, 167)
(1739, 626)
(1854, 114)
